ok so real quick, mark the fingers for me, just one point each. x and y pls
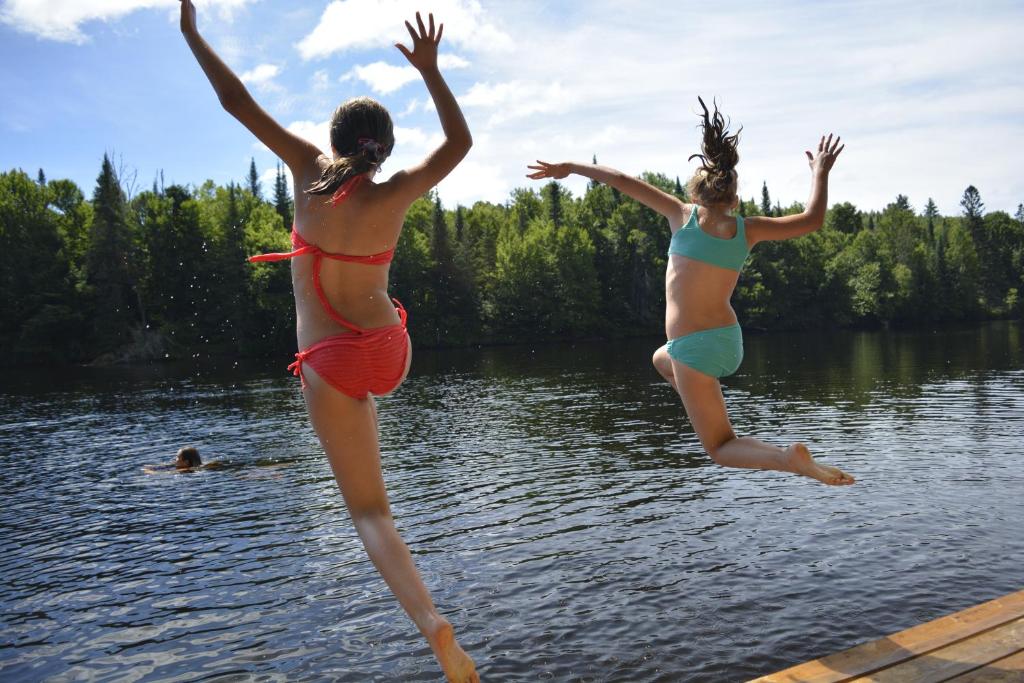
(828, 143)
(440, 30)
(423, 29)
(821, 143)
(412, 32)
(404, 50)
(836, 153)
(431, 34)
(835, 145)
(810, 157)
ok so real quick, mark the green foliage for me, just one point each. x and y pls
(83, 278)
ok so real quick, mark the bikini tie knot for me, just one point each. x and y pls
(296, 367)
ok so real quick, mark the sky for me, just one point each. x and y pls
(928, 96)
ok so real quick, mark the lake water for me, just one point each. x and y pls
(556, 500)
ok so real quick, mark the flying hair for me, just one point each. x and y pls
(715, 182)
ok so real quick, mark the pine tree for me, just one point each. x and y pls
(1020, 214)
(766, 200)
(593, 183)
(902, 202)
(973, 206)
(41, 178)
(679, 189)
(553, 195)
(282, 200)
(931, 212)
(254, 179)
(460, 223)
(109, 262)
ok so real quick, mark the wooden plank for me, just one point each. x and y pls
(951, 661)
(1006, 670)
(918, 640)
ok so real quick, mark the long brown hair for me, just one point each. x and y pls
(716, 180)
(362, 136)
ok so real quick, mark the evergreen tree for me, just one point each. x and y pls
(111, 264)
(766, 200)
(41, 178)
(254, 179)
(282, 200)
(972, 204)
(1020, 214)
(460, 224)
(553, 198)
(931, 212)
(679, 189)
(591, 184)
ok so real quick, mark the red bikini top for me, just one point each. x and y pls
(302, 247)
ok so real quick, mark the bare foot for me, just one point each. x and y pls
(800, 461)
(458, 667)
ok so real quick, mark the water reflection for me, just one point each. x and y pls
(556, 499)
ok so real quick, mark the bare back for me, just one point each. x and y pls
(696, 293)
(369, 221)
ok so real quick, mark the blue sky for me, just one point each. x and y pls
(928, 95)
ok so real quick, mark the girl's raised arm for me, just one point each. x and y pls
(667, 205)
(760, 228)
(236, 100)
(457, 140)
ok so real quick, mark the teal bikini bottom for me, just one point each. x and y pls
(716, 352)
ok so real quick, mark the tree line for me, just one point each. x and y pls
(162, 273)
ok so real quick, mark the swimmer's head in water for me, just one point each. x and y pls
(362, 137)
(188, 457)
(715, 183)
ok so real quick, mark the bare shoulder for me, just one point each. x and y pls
(682, 217)
(758, 228)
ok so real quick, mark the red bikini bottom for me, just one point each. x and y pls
(361, 363)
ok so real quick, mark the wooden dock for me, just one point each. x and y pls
(981, 644)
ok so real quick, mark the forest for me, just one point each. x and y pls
(130, 275)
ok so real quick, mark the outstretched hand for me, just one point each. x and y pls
(424, 44)
(188, 17)
(543, 169)
(828, 151)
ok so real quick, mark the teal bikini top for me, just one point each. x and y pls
(692, 242)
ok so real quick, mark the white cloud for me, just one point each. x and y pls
(366, 24)
(414, 104)
(320, 81)
(62, 20)
(384, 78)
(517, 99)
(319, 133)
(262, 77)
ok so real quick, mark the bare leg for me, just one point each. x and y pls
(705, 405)
(663, 364)
(347, 428)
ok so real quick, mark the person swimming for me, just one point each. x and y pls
(706, 254)
(352, 340)
(187, 459)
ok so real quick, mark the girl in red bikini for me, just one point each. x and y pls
(351, 334)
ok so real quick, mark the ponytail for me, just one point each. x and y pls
(362, 137)
(716, 181)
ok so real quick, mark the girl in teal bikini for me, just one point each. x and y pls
(706, 254)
